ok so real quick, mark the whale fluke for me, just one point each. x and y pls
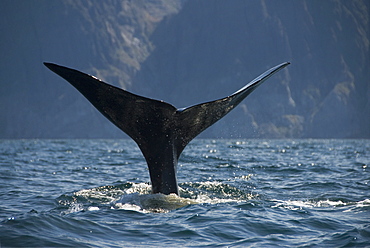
(160, 130)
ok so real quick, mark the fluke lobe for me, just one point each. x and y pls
(160, 130)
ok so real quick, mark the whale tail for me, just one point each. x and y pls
(160, 130)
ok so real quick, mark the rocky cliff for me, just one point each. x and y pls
(187, 52)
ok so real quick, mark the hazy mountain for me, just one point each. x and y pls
(187, 52)
(108, 39)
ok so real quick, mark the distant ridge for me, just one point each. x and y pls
(148, 46)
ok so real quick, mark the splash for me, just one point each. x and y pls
(137, 197)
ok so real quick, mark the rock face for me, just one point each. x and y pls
(108, 39)
(187, 52)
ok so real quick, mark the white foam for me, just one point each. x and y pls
(298, 205)
(93, 208)
(358, 206)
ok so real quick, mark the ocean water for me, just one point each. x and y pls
(234, 193)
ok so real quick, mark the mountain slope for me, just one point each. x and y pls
(187, 52)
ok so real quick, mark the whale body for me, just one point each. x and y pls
(160, 130)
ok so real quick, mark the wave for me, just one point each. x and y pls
(358, 206)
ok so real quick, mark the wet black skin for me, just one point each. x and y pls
(160, 130)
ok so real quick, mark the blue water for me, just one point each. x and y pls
(234, 193)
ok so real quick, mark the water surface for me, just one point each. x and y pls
(234, 193)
